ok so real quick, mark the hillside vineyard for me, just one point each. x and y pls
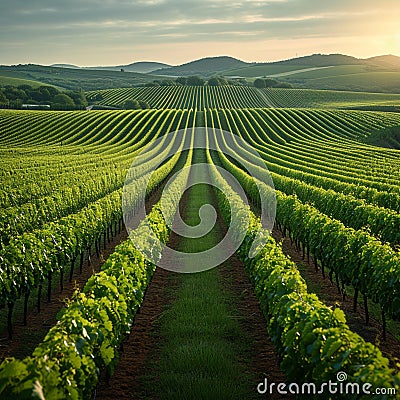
(338, 199)
(199, 98)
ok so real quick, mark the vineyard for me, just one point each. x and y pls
(230, 97)
(63, 175)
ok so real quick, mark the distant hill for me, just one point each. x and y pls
(331, 71)
(325, 60)
(321, 60)
(10, 81)
(75, 78)
(141, 67)
(144, 67)
(384, 61)
(230, 66)
(205, 67)
(64, 66)
(316, 71)
(315, 61)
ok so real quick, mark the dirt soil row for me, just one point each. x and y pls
(140, 349)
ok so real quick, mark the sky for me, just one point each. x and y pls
(119, 32)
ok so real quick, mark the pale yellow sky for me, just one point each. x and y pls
(270, 50)
(114, 32)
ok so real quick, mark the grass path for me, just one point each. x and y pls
(197, 336)
(199, 358)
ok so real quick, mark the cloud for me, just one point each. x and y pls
(126, 24)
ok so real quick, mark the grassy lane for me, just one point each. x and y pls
(203, 355)
(197, 336)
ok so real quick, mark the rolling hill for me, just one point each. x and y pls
(368, 81)
(72, 66)
(142, 67)
(321, 60)
(385, 61)
(75, 78)
(315, 61)
(334, 72)
(10, 81)
(317, 71)
(206, 67)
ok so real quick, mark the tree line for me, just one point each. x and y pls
(132, 104)
(15, 97)
(197, 81)
(259, 83)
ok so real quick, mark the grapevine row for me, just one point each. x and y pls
(356, 258)
(32, 257)
(314, 341)
(85, 341)
(186, 97)
(356, 213)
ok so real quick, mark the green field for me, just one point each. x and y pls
(245, 97)
(265, 70)
(75, 79)
(331, 99)
(367, 81)
(300, 71)
(333, 71)
(364, 78)
(7, 80)
(337, 192)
